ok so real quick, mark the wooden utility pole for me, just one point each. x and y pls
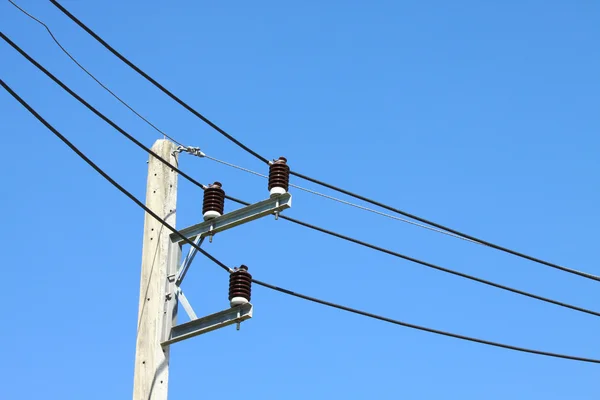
(151, 361)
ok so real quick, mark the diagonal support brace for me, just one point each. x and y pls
(185, 303)
(188, 261)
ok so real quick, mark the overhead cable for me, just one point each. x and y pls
(428, 264)
(310, 179)
(98, 169)
(163, 89)
(267, 285)
(94, 110)
(326, 231)
(203, 155)
(413, 326)
(91, 75)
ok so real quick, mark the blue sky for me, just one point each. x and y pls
(478, 115)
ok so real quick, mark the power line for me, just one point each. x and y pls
(264, 284)
(413, 326)
(340, 200)
(307, 178)
(214, 159)
(163, 89)
(428, 264)
(94, 110)
(98, 169)
(454, 231)
(305, 224)
(90, 74)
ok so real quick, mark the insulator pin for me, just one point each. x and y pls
(240, 282)
(214, 201)
(279, 177)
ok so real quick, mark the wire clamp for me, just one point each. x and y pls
(195, 151)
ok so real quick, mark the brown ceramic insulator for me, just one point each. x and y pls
(240, 282)
(214, 199)
(279, 174)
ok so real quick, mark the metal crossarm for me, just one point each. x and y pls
(172, 333)
(230, 220)
(209, 323)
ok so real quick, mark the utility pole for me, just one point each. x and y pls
(151, 377)
(163, 271)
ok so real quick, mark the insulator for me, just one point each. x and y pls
(214, 201)
(240, 282)
(279, 177)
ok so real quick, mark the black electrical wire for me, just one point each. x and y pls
(154, 126)
(314, 227)
(163, 89)
(390, 320)
(91, 75)
(98, 169)
(174, 140)
(179, 143)
(95, 111)
(273, 287)
(413, 326)
(264, 284)
(428, 264)
(307, 178)
(440, 226)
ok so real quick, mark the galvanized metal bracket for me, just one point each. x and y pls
(273, 205)
(233, 315)
(185, 303)
(174, 295)
(188, 260)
